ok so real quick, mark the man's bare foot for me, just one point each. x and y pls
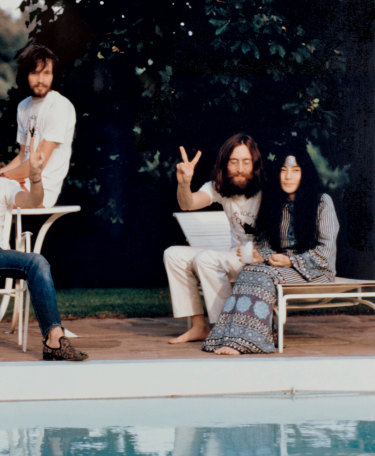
(195, 333)
(227, 351)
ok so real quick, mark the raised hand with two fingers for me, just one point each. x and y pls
(185, 169)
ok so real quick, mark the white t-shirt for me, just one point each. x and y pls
(8, 192)
(239, 210)
(53, 118)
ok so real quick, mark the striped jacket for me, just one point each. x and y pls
(320, 260)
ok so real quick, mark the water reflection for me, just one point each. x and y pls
(316, 438)
(253, 440)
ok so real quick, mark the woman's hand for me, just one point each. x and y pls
(279, 260)
(257, 257)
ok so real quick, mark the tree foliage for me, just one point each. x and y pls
(194, 58)
(146, 77)
(13, 36)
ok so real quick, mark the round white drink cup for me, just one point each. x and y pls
(247, 252)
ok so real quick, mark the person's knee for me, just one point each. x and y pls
(39, 264)
(172, 254)
(168, 254)
(204, 259)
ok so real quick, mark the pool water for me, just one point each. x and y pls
(210, 426)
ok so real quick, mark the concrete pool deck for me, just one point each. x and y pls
(147, 338)
(131, 358)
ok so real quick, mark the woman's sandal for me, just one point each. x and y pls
(66, 352)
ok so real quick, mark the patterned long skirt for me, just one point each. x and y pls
(245, 323)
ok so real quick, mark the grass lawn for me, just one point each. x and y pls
(114, 302)
(136, 302)
(111, 302)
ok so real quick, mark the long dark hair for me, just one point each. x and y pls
(28, 61)
(220, 172)
(306, 203)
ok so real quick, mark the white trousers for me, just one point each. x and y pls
(215, 269)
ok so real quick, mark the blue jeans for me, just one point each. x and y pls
(35, 269)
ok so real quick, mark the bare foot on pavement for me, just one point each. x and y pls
(227, 351)
(194, 333)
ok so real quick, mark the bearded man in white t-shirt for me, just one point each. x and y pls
(236, 185)
(48, 117)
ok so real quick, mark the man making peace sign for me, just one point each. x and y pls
(236, 185)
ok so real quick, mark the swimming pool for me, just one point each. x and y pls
(213, 426)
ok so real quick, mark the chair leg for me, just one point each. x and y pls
(14, 316)
(26, 322)
(19, 304)
(281, 305)
(281, 336)
(18, 311)
(6, 298)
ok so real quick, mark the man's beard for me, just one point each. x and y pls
(250, 187)
(40, 91)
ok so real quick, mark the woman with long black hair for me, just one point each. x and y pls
(296, 243)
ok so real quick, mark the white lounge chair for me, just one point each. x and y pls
(206, 229)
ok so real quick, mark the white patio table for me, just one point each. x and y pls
(55, 213)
